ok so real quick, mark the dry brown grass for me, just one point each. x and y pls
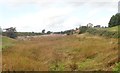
(60, 53)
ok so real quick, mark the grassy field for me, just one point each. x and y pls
(60, 53)
(112, 29)
(7, 42)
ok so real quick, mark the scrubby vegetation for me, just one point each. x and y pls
(103, 33)
(82, 52)
(83, 29)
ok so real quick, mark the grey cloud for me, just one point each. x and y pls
(104, 4)
(94, 4)
(47, 3)
(57, 21)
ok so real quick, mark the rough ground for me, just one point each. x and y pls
(75, 52)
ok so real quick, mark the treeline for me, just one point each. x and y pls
(114, 21)
(28, 33)
(12, 33)
(22, 34)
(68, 32)
(82, 29)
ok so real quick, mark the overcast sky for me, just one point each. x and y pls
(55, 15)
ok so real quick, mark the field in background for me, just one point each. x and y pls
(112, 29)
(74, 52)
(115, 28)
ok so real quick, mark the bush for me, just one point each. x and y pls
(83, 29)
(92, 31)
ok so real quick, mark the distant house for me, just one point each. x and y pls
(98, 26)
(75, 31)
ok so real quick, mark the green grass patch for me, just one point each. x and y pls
(104, 33)
(57, 67)
(7, 42)
(117, 68)
(113, 28)
(87, 64)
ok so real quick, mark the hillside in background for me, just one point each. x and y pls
(112, 29)
(115, 28)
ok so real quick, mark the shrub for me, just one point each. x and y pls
(83, 29)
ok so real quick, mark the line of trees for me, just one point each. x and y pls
(12, 33)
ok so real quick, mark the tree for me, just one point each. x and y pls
(115, 20)
(43, 31)
(48, 32)
(11, 32)
(89, 25)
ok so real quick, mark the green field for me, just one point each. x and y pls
(112, 29)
